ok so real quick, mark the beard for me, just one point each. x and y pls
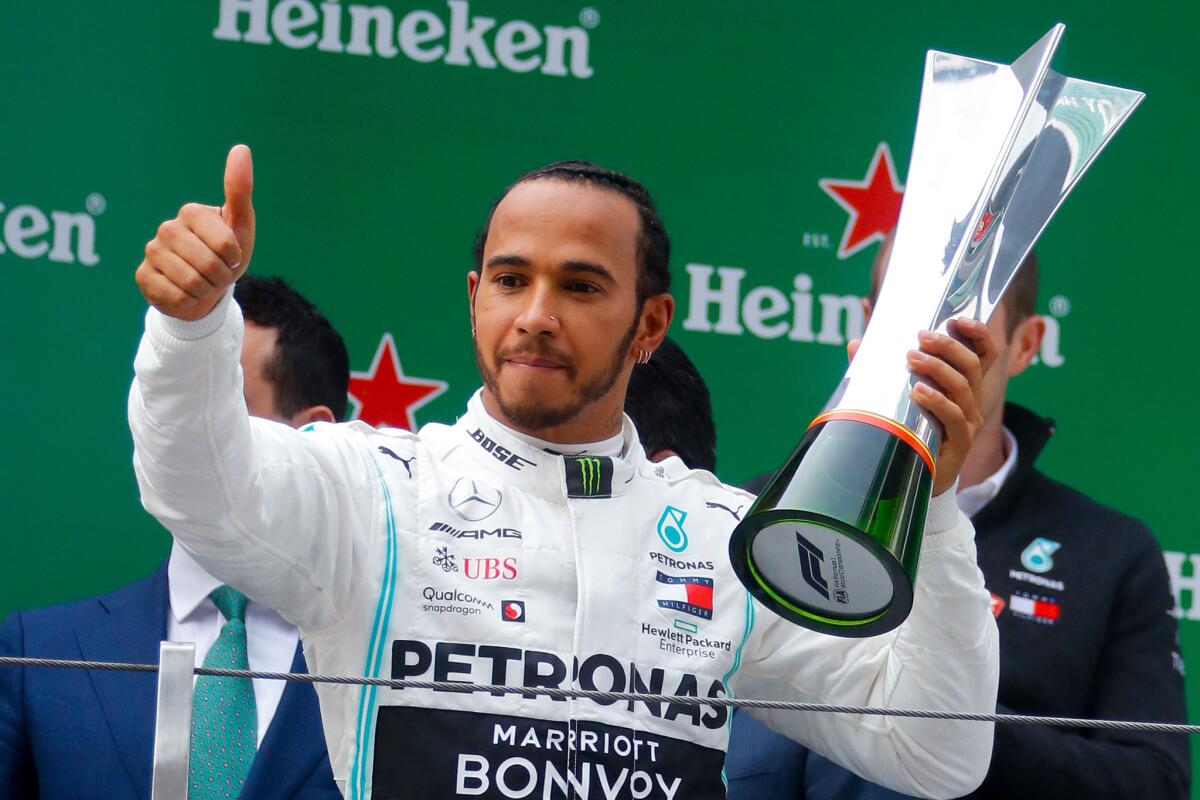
(532, 415)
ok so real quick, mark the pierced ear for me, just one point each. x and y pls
(657, 314)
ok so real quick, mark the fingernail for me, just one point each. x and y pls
(235, 265)
(925, 336)
(921, 388)
(917, 355)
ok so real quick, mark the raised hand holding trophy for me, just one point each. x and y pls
(832, 542)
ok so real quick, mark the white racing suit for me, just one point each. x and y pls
(461, 553)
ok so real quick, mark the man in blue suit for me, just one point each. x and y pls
(73, 734)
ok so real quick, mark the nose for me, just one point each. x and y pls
(539, 316)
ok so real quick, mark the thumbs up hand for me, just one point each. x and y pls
(193, 259)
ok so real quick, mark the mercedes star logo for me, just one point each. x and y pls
(473, 500)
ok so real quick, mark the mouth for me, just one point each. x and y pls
(534, 362)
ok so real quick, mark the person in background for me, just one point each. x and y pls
(71, 734)
(1081, 597)
(669, 404)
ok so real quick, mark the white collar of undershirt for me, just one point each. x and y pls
(972, 499)
(188, 583)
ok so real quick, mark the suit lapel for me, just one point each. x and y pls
(293, 745)
(128, 626)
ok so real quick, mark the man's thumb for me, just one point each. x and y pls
(238, 211)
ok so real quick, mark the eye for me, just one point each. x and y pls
(508, 281)
(582, 287)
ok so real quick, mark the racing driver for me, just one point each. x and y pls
(531, 543)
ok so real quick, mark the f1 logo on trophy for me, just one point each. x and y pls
(832, 542)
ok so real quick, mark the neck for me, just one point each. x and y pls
(599, 421)
(987, 454)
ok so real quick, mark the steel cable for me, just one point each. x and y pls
(612, 697)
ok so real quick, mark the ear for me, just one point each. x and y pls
(1026, 343)
(657, 313)
(312, 414)
(472, 287)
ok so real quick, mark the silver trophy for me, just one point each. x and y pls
(832, 542)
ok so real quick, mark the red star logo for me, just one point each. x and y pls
(873, 203)
(384, 396)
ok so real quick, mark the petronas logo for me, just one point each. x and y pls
(589, 472)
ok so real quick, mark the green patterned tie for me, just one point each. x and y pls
(224, 718)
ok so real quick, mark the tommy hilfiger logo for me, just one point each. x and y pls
(588, 476)
(1033, 607)
(689, 594)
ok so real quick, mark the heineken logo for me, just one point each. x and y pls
(589, 476)
(451, 34)
(67, 237)
(725, 300)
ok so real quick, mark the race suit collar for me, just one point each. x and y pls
(521, 460)
(612, 446)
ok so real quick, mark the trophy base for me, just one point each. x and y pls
(832, 542)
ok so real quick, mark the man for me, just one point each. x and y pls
(668, 402)
(531, 543)
(1081, 597)
(70, 734)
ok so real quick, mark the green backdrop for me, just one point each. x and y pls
(382, 130)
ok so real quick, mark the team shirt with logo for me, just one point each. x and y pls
(1082, 601)
(464, 554)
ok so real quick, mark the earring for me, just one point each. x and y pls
(644, 356)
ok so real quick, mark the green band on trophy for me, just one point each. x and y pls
(845, 563)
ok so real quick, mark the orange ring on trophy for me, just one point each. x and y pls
(884, 423)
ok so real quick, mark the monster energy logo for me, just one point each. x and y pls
(589, 470)
(591, 477)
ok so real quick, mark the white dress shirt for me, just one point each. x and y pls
(270, 640)
(972, 499)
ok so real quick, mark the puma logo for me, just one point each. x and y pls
(736, 514)
(407, 462)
